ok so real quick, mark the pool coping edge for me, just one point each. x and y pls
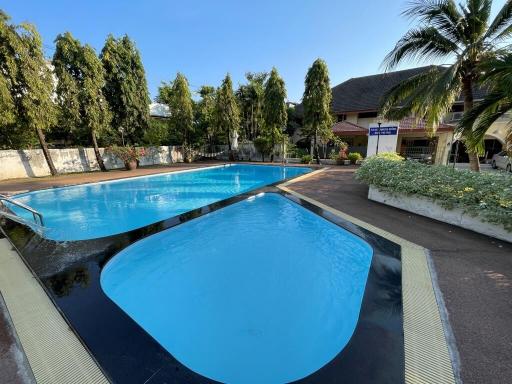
(428, 356)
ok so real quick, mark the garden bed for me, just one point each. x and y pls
(481, 202)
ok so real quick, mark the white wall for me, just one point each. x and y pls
(31, 162)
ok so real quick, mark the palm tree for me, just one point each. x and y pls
(497, 77)
(461, 33)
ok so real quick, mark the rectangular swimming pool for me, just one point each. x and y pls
(107, 208)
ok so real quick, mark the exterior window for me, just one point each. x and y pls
(342, 117)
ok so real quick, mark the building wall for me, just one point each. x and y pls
(31, 162)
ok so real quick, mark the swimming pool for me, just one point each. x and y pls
(261, 291)
(101, 209)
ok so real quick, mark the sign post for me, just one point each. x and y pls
(382, 138)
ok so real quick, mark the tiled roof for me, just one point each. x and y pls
(344, 128)
(364, 94)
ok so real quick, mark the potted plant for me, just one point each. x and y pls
(129, 155)
(355, 157)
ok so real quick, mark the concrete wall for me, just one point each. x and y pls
(429, 208)
(31, 162)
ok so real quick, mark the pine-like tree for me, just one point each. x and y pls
(126, 89)
(181, 112)
(227, 114)
(274, 109)
(317, 104)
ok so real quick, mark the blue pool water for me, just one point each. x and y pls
(107, 208)
(262, 291)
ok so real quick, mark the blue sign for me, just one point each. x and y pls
(383, 131)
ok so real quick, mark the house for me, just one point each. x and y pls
(355, 105)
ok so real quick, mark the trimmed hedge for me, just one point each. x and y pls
(487, 195)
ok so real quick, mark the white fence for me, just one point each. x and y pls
(31, 162)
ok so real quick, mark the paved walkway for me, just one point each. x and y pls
(12, 186)
(474, 272)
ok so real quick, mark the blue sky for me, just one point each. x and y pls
(205, 39)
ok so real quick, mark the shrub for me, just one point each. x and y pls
(127, 154)
(487, 195)
(263, 145)
(354, 156)
(393, 156)
(306, 159)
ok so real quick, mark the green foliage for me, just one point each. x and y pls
(25, 85)
(27, 78)
(274, 108)
(317, 104)
(157, 133)
(177, 96)
(497, 77)
(391, 156)
(354, 156)
(126, 89)
(226, 112)
(306, 159)
(83, 110)
(487, 195)
(264, 146)
(205, 114)
(250, 100)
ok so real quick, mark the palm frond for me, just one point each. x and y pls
(476, 122)
(398, 101)
(423, 43)
(441, 14)
(425, 96)
(501, 25)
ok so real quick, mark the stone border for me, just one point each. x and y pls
(53, 351)
(428, 357)
(431, 209)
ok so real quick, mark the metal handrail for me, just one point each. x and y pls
(21, 205)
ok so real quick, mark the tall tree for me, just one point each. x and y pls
(250, 98)
(227, 114)
(79, 90)
(446, 31)
(181, 112)
(28, 79)
(205, 109)
(126, 89)
(274, 109)
(317, 103)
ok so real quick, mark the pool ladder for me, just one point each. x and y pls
(35, 214)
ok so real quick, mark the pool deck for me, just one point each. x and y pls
(474, 271)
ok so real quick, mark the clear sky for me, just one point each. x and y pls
(205, 39)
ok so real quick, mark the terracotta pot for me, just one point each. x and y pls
(131, 165)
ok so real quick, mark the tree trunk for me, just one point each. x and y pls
(46, 152)
(97, 152)
(316, 150)
(467, 89)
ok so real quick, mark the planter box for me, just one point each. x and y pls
(327, 162)
(429, 208)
